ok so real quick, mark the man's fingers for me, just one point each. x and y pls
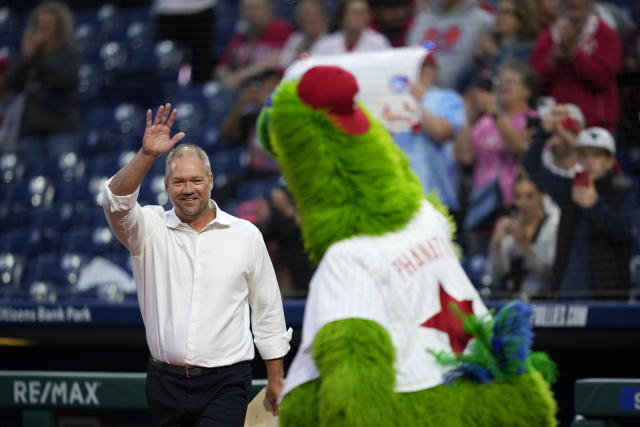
(148, 117)
(177, 138)
(274, 407)
(172, 118)
(158, 118)
(166, 113)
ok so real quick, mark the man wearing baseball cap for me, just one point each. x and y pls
(563, 124)
(597, 207)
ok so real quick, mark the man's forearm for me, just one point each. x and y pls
(129, 178)
(275, 370)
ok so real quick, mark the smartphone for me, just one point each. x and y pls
(533, 122)
(581, 179)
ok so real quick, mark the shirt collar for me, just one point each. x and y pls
(222, 218)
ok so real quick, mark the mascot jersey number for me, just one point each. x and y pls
(394, 333)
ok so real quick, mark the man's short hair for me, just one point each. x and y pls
(187, 150)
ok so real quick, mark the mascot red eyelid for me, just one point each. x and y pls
(394, 333)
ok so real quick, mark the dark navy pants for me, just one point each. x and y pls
(219, 398)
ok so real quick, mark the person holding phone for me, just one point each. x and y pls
(46, 74)
(597, 206)
(523, 244)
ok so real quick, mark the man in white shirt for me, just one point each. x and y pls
(197, 270)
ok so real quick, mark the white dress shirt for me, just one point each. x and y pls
(394, 280)
(195, 288)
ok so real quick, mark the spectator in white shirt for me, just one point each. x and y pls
(351, 31)
(197, 270)
(523, 245)
(311, 20)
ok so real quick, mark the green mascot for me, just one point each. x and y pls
(394, 333)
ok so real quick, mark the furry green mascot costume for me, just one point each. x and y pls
(394, 334)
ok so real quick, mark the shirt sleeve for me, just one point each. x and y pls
(271, 335)
(447, 105)
(126, 218)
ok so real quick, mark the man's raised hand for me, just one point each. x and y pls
(156, 140)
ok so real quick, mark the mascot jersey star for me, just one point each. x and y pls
(359, 277)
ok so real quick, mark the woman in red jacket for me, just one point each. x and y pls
(577, 60)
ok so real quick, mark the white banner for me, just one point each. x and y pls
(383, 77)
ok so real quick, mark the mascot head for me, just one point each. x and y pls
(345, 171)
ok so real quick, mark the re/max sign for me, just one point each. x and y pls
(38, 392)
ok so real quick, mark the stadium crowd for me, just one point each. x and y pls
(529, 129)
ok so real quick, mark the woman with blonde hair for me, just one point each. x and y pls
(46, 72)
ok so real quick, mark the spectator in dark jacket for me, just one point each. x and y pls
(597, 211)
(47, 73)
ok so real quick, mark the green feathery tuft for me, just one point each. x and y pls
(542, 363)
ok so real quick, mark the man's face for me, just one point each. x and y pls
(356, 16)
(576, 11)
(596, 161)
(257, 13)
(311, 19)
(189, 187)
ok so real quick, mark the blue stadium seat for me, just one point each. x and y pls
(169, 57)
(12, 168)
(99, 117)
(142, 60)
(62, 270)
(227, 15)
(12, 269)
(137, 14)
(68, 167)
(190, 117)
(113, 56)
(60, 217)
(98, 141)
(106, 165)
(98, 219)
(129, 118)
(90, 79)
(254, 189)
(121, 259)
(476, 269)
(228, 165)
(26, 242)
(90, 240)
(152, 191)
(193, 93)
(13, 215)
(111, 22)
(12, 272)
(139, 34)
(38, 191)
(11, 27)
(86, 191)
(87, 37)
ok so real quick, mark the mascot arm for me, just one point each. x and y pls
(355, 358)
